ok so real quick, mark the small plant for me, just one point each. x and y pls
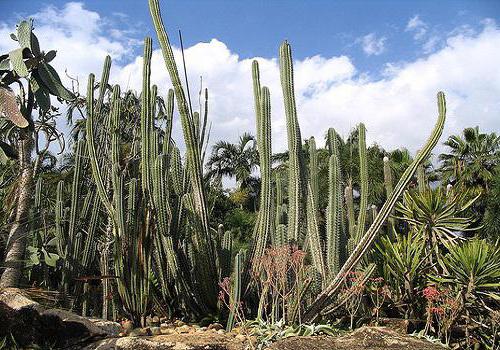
(282, 281)
(442, 307)
(353, 292)
(379, 292)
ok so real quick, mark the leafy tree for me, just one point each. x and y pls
(471, 159)
(28, 126)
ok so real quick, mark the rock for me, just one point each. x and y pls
(110, 327)
(74, 324)
(216, 326)
(168, 331)
(203, 329)
(183, 329)
(139, 332)
(220, 331)
(155, 330)
(16, 300)
(127, 326)
(179, 323)
(153, 321)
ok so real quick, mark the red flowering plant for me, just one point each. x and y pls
(225, 297)
(281, 280)
(352, 293)
(379, 292)
(443, 308)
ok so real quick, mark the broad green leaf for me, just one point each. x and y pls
(50, 258)
(24, 34)
(41, 95)
(5, 64)
(49, 56)
(52, 81)
(16, 58)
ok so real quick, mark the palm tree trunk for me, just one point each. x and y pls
(19, 231)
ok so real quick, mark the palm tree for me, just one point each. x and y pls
(471, 159)
(238, 160)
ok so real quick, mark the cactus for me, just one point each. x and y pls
(313, 235)
(335, 240)
(263, 224)
(313, 171)
(421, 179)
(202, 242)
(296, 188)
(363, 179)
(388, 188)
(367, 239)
(235, 291)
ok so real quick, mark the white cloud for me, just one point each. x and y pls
(398, 109)
(372, 45)
(417, 26)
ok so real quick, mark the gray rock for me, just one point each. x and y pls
(110, 327)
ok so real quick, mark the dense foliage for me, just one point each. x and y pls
(123, 225)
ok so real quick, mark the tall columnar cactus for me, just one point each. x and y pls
(421, 179)
(313, 170)
(351, 219)
(363, 183)
(234, 300)
(367, 239)
(335, 240)
(313, 235)
(388, 186)
(206, 270)
(263, 228)
(296, 185)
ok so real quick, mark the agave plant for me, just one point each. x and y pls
(403, 266)
(474, 268)
(439, 217)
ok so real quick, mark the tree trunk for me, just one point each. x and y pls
(19, 231)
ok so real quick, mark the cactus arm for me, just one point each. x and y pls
(313, 235)
(364, 244)
(295, 176)
(263, 117)
(235, 291)
(202, 240)
(91, 146)
(146, 119)
(363, 178)
(388, 186)
(334, 227)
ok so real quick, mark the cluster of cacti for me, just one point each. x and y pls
(143, 208)
(330, 258)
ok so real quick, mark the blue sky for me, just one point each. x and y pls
(379, 62)
(256, 28)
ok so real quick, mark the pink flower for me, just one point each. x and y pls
(431, 293)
